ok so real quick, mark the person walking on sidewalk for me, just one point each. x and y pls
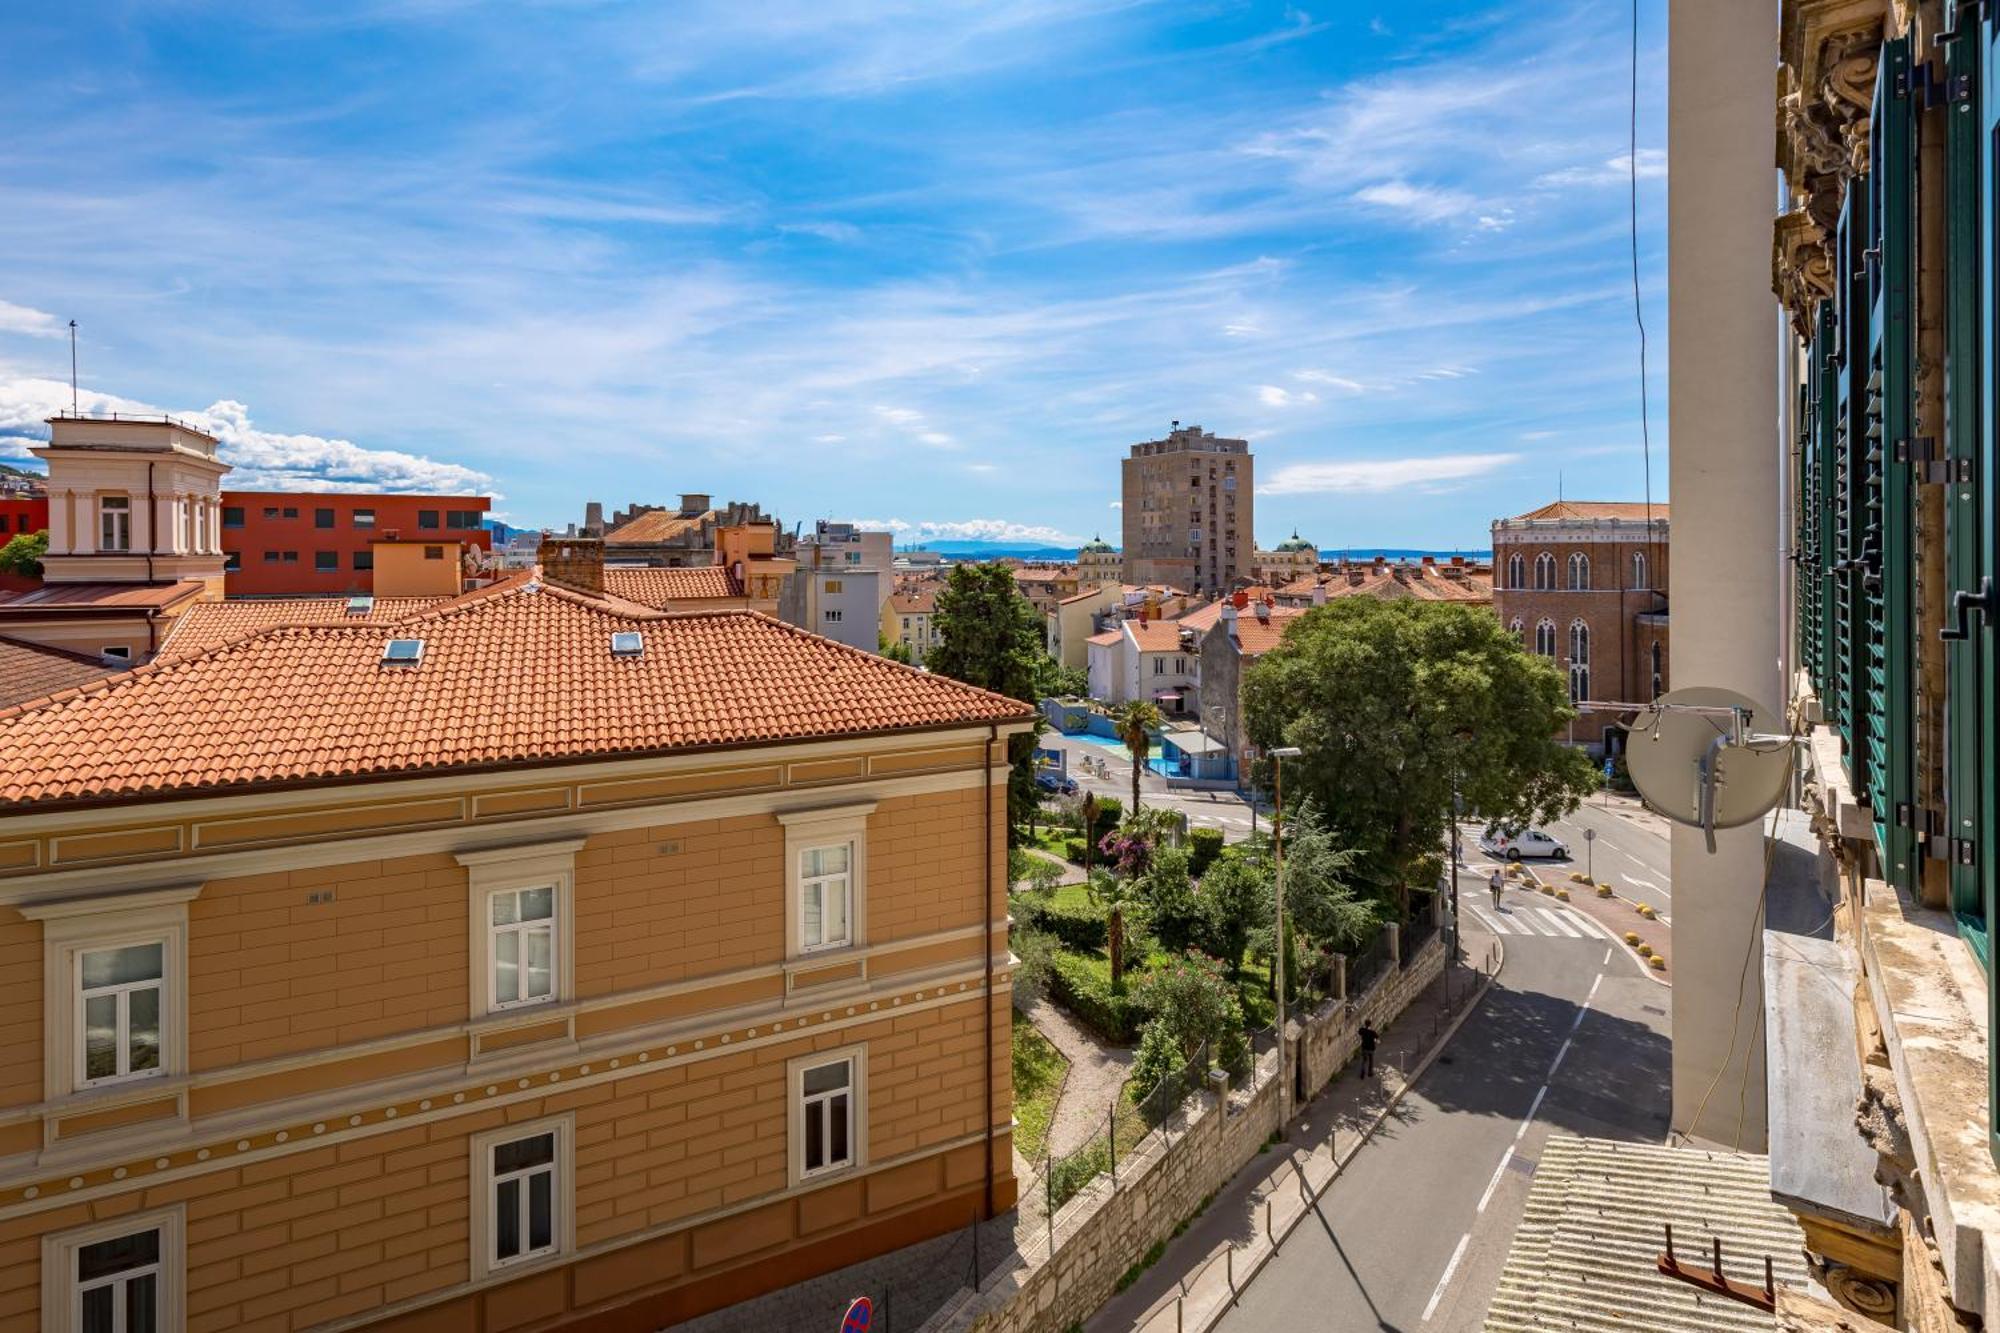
(1368, 1040)
(1494, 882)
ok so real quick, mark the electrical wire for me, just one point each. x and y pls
(1638, 306)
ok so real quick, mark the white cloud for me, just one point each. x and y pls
(1240, 330)
(1426, 203)
(1272, 396)
(829, 439)
(34, 323)
(1370, 476)
(1327, 377)
(261, 459)
(1117, 504)
(1612, 171)
(17, 446)
(970, 530)
(841, 233)
(936, 437)
(899, 416)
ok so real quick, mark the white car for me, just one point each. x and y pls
(1523, 842)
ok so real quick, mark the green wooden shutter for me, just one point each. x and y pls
(1968, 740)
(1986, 851)
(1850, 468)
(1888, 633)
(1826, 430)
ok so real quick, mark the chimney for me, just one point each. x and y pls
(593, 518)
(1354, 578)
(1239, 599)
(1263, 613)
(1319, 594)
(574, 562)
(694, 502)
(1228, 613)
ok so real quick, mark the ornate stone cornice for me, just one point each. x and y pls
(1826, 81)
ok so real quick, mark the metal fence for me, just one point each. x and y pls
(1368, 963)
(1131, 1129)
(1422, 925)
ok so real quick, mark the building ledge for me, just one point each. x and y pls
(1931, 999)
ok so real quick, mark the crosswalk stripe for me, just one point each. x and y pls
(1556, 919)
(1501, 924)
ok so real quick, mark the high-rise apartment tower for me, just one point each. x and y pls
(1187, 507)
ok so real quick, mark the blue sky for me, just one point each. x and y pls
(924, 263)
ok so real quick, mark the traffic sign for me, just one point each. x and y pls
(1590, 835)
(860, 1314)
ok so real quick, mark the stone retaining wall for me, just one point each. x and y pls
(1104, 1230)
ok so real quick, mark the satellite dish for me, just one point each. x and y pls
(1695, 757)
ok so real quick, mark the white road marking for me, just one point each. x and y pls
(1494, 1183)
(1593, 987)
(1530, 1119)
(1607, 956)
(1644, 883)
(1556, 919)
(1445, 1281)
(1556, 1063)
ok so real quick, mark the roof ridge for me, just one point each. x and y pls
(83, 659)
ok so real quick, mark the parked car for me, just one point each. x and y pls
(1519, 843)
(1059, 783)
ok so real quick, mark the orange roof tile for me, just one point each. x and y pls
(89, 598)
(1108, 637)
(34, 671)
(1157, 636)
(518, 674)
(207, 625)
(663, 588)
(1255, 637)
(917, 602)
(1573, 509)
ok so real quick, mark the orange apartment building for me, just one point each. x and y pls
(286, 543)
(354, 977)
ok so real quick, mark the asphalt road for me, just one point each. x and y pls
(1629, 856)
(1572, 1039)
(1223, 810)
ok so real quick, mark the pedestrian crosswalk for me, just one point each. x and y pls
(1518, 918)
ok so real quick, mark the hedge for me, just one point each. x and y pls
(1204, 845)
(1081, 927)
(1080, 987)
(1073, 849)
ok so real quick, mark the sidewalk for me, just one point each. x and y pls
(1224, 1246)
(1097, 1074)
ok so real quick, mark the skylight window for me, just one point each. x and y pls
(403, 652)
(360, 606)
(627, 643)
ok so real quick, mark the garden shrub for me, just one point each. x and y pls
(1083, 987)
(1080, 927)
(1204, 845)
(1073, 849)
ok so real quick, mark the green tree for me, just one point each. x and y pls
(1191, 1006)
(23, 554)
(894, 649)
(1032, 872)
(1235, 900)
(1136, 722)
(1054, 680)
(1173, 909)
(1391, 703)
(1322, 899)
(990, 637)
(1119, 896)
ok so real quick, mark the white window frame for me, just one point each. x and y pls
(521, 929)
(124, 513)
(1579, 572)
(807, 830)
(856, 1058)
(485, 1189)
(74, 927)
(495, 870)
(1550, 627)
(1545, 572)
(62, 1298)
(1639, 570)
(845, 878)
(1517, 571)
(121, 994)
(833, 616)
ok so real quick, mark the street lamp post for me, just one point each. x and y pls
(1279, 755)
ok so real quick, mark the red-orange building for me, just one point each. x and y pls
(289, 542)
(22, 513)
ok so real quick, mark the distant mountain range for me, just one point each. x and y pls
(978, 550)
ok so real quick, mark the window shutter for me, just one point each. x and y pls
(1849, 431)
(1968, 726)
(1892, 455)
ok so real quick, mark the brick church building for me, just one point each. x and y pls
(1584, 584)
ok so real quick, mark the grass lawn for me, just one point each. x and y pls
(1038, 1078)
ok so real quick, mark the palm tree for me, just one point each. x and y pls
(1115, 894)
(1137, 721)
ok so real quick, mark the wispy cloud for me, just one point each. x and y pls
(971, 529)
(34, 323)
(1380, 475)
(1612, 171)
(1270, 395)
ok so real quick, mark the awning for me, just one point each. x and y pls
(1199, 743)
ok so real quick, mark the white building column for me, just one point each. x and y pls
(83, 506)
(1725, 462)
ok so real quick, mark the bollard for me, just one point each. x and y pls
(1229, 1268)
(1180, 1314)
(1269, 1234)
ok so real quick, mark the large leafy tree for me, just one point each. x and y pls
(1394, 702)
(1192, 1006)
(23, 554)
(989, 637)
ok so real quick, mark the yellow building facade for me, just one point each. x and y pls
(592, 1036)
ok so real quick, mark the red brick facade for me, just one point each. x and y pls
(1586, 585)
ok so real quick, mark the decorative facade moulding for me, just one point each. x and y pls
(1826, 82)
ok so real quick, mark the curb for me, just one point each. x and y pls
(1617, 937)
(1360, 1142)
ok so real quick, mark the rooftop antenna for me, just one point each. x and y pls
(72, 369)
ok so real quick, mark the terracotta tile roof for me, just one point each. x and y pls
(1256, 637)
(1475, 586)
(919, 602)
(660, 526)
(65, 598)
(516, 674)
(207, 625)
(1107, 638)
(1157, 636)
(1567, 509)
(33, 671)
(662, 588)
(1100, 590)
